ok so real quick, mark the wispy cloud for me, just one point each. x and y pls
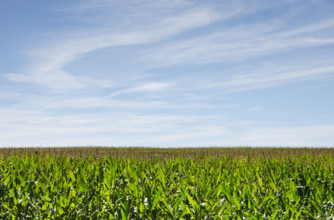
(227, 44)
(47, 64)
(38, 127)
(255, 108)
(274, 78)
(240, 43)
(147, 87)
(124, 129)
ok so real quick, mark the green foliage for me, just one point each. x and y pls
(50, 187)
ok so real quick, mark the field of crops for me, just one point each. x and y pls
(187, 183)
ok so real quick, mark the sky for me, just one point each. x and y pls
(167, 73)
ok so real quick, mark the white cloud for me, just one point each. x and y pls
(47, 64)
(16, 77)
(239, 43)
(39, 127)
(255, 108)
(256, 81)
(147, 87)
(102, 102)
(129, 129)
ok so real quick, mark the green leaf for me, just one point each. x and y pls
(157, 198)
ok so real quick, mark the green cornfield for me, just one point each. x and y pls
(183, 183)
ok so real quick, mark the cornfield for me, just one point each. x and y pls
(146, 183)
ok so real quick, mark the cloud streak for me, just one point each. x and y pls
(47, 64)
(124, 129)
(147, 87)
(241, 43)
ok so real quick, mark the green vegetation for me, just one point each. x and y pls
(146, 183)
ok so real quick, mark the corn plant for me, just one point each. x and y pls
(46, 186)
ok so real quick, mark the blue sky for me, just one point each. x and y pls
(167, 73)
